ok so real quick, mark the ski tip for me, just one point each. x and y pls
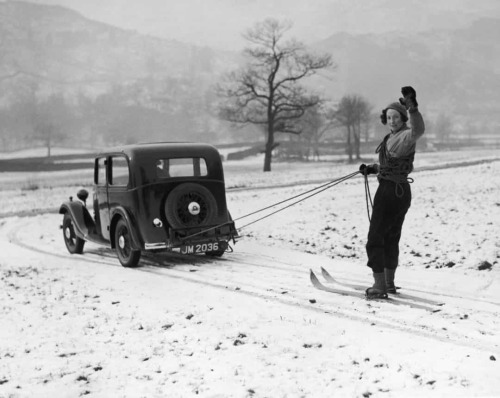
(327, 275)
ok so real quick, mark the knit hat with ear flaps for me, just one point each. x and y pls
(398, 107)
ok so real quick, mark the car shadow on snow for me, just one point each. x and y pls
(161, 259)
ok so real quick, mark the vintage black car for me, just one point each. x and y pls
(151, 197)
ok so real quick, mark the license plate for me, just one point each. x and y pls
(199, 248)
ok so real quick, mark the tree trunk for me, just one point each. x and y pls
(357, 140)
(49, 144)
(270, 132)
(269, 149)
(349, 145)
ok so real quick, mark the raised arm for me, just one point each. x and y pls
(409, 100)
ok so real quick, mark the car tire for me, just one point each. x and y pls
(179, 213)
(74, 244)
(123, 243)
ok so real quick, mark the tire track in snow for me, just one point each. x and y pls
(290, 267)
(323, 181)
(295, 299)
(235, 190)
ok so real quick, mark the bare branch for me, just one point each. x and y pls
(267, 91)
(10, 76)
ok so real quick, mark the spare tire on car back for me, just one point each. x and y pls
(190, 205)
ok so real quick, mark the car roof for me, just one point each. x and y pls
(173, 149)
(143, 158)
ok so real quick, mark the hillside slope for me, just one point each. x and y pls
(52, 49)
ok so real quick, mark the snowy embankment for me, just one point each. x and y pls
(251, 323)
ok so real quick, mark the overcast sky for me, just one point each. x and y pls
(219, 23)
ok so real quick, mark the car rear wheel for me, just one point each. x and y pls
(123, 243)
(190, 205)
(74, 244)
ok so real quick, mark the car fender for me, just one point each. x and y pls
(120, 212)
(82, 220)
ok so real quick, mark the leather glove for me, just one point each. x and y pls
(368, 169)
(410, 97)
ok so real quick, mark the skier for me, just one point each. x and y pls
(393, 197)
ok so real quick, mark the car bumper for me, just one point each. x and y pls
(179, 238)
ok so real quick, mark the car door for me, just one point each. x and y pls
(118, 181)
(101, 202)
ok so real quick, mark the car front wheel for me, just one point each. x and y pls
(123, 243)
(74, 244)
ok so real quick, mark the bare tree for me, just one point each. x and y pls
(443, 128)
(49, 119)
(267, 91)
(316, 121)
(352, 111)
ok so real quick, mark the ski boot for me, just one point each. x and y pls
(389, 280)
(378, 290)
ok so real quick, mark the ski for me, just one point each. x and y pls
(328, 277)
(353, 293)
(318, 285)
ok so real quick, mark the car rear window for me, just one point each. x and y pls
(181, 167)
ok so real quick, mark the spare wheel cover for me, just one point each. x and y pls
(190, 205)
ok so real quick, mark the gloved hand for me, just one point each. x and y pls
(368, 169)
(410, 97)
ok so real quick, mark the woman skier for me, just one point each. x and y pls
(393, 197)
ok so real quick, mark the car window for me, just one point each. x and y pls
(181, 167)
(119, 171)
(100, 175)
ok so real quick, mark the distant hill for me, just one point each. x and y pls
(59, 49)
(51, 49)
(455, 71)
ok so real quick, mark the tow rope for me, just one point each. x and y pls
(310, 193)
(318, 190)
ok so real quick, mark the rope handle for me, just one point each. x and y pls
(368, 197)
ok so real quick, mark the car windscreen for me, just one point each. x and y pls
(181, 167)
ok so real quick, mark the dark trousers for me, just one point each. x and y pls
(390, 205)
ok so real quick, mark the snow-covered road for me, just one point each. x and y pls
(248, 324)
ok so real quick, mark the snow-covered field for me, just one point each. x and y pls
(251, 324)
